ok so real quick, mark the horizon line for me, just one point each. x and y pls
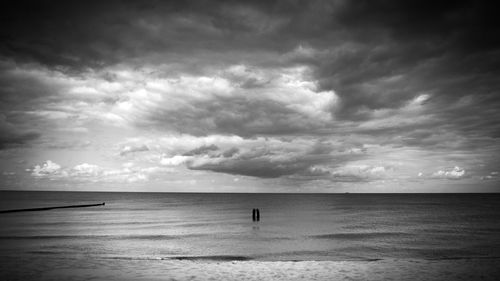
(212, 192)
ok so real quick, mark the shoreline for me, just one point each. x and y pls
(84, 268)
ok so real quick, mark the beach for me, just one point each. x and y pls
(119, 269)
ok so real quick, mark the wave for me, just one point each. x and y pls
(464, 258)
(352, 235)
(306, 255)
(297, 256)
(111, 237)
(132, 258)
(105, 223)
(210, 258)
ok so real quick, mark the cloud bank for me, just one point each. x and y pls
(295, 93)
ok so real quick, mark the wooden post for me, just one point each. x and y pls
(255, 215)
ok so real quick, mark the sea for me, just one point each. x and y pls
(218, 227)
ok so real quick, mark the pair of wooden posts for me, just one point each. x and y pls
(255, 215)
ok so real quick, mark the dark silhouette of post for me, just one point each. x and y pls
(255, 215)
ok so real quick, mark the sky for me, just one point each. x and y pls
(250, 96)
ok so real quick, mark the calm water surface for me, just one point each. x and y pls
(218, 226)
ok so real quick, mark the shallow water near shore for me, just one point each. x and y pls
(176, 229)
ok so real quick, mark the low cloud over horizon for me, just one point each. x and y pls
(250, 96)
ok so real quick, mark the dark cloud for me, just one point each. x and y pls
(22, 90)
(201, 150)
(449, 48)
(75, 35)
(96, 33)
(261, 160)
(12, 140)
(230, 152)
(422, 46)
(13, 136)
(460, 24)
(233, 115)
(252, 167)
(387, 37)
(317, 160)
(275, 164)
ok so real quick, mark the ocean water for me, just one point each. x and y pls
(219, 227)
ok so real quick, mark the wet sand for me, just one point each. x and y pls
(123, 269)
